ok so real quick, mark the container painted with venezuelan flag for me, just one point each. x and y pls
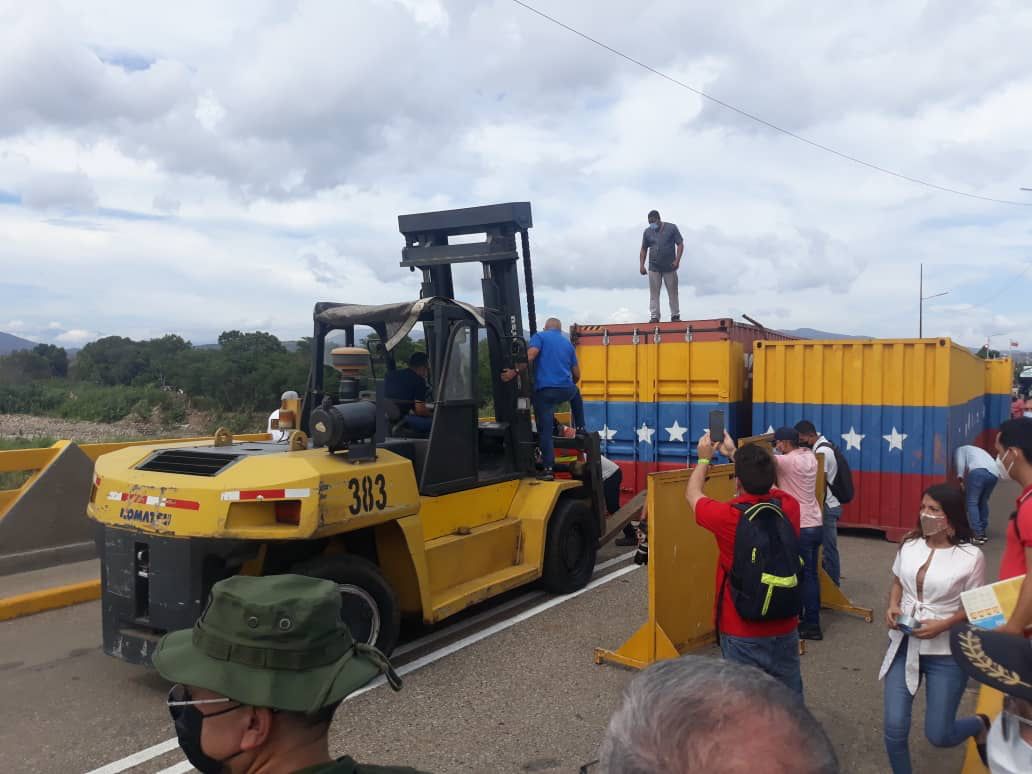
(897, 408)
(648, 390)
(999, 381)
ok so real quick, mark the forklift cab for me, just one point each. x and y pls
(460, 451)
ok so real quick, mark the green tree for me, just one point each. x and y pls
(987, 354)
(111, 360)
(57, 357)
(24, 366)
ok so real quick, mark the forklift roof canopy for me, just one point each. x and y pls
(399, 318)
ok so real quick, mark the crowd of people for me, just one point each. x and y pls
(776, 513)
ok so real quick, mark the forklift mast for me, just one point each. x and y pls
(427, 249)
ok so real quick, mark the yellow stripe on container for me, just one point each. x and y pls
(999, 376)
(885, 372)
(668, 371)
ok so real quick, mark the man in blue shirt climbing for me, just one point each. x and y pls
(556, 374)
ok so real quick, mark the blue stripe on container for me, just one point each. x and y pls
(627, 417)
(933, 432)
(997, 410)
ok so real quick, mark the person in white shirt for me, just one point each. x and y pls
(830, 561)
(934, 564)
(978, 473)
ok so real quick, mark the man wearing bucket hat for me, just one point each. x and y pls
(260, 675)
(1004, 662)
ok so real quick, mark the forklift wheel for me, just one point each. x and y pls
(571, 548)
(369, 605)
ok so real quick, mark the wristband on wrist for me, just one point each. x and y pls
(704, 460)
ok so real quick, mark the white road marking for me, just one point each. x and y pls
(492, 613)
(183, 766)
(137, 758)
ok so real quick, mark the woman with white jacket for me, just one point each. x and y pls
(934, 564)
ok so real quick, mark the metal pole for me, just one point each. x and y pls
(528, 281)
(920, 305)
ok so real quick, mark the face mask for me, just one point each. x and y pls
(932, 525)
(654, 226)
(1003, 468)
(1008, 753)
(189, 722)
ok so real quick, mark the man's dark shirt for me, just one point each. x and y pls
(405, 387)
(661, 244)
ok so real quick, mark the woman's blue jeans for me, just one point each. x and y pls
(944, 687)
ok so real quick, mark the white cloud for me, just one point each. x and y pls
(76, 337)
(176, 164)
(58, 190)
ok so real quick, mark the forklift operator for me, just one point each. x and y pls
(408, 388)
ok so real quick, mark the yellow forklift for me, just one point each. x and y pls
(407, 526)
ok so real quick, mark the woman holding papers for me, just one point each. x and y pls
(934, 564)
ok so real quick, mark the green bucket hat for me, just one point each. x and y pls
(276, 641)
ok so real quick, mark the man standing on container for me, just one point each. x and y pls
(664, 245)
(977, 474)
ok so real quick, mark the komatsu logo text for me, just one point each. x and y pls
(154, 518)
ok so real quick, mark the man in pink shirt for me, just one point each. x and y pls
(797, 475)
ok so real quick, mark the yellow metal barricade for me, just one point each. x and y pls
(682, 572)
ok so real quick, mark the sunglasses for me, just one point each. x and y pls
(179, 697)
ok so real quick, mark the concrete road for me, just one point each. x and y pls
(524, 697)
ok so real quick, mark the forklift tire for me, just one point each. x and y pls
(571, 548)
(369, 605)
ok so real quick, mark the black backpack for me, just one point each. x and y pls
(765, 575)
(842, 486)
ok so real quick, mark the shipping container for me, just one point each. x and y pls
(897, 408)
(999, 382)
(649, 389)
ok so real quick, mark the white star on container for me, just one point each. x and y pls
(853, 439)
(676, 432)
(645, 434)
(895, 439)
(770, 430)
(606, 433)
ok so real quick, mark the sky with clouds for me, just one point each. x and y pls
(196, 167)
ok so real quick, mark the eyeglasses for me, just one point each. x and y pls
(179, 696)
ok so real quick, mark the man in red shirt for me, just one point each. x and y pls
(1014, 458)
(772, 646)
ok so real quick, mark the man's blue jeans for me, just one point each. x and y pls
(419, 424)
(944, 686)
(545, 402)
(777, 656)
(978, 488)
(831, 562)
(809, 546)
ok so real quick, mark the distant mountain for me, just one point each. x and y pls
(812, 333)
(11, 343)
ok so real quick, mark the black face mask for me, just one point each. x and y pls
(189, 723)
